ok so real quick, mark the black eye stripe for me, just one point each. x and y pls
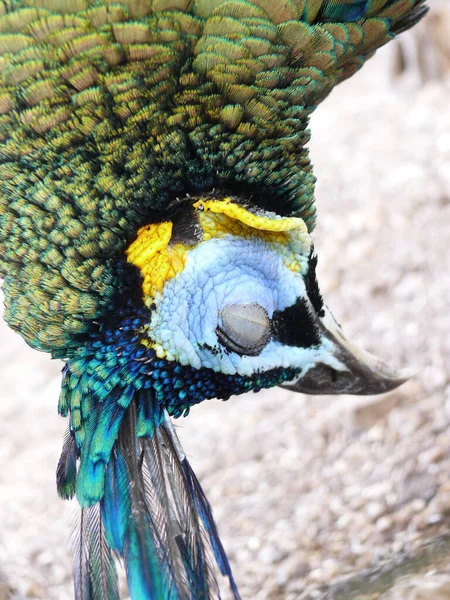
(312, 287)
(296, 326)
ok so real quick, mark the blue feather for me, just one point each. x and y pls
(101, 433)
(142, 502)
(115, 504)
(147, 578)
(206, 515)
(341, 13)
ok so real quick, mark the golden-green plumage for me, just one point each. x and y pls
(109, 110)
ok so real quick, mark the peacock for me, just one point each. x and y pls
(156, 210)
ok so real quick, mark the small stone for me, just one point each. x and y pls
(376, 434)
(384, 523)
(374, 510)
(270, 554)
(417, 485)
(433, 518)
(432, 455)
(292, 568)
(442, 500)
(377, 491)
(45, 559)
(254, 543)
(406, 514)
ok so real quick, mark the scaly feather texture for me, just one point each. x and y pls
(115, 116)
(107, 111)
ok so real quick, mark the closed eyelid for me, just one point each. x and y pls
(245, 328)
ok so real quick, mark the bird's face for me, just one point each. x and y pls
(233, 296)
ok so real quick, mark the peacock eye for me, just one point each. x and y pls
(244, 328)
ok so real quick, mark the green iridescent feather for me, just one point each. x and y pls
(108, 110)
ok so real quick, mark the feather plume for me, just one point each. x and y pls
(66, 471)
(158, 523)
(155, 516)
(95, 575)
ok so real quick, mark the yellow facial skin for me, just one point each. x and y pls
(160, 261)
(239, 217)
(288, 234)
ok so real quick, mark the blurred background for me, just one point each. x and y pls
(315, 497)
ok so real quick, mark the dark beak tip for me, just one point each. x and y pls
(322, 380)
(344, 368)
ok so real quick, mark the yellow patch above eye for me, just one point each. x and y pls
(289, 235)
(158, 262)
(252, 220)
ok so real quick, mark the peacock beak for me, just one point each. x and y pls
(351, 370)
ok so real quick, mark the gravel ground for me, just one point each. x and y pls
(315, 497)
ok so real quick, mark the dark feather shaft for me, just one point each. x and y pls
(80, 566)
(95, 574)
(66, 470)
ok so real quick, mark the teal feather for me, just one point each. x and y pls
(147, 578)
(348, 12)
(115, 504)
(143, 502)
(102, 429)
(204, 509)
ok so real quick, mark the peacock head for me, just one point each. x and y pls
(234, 305)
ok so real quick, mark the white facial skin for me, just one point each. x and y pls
(218, 273)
